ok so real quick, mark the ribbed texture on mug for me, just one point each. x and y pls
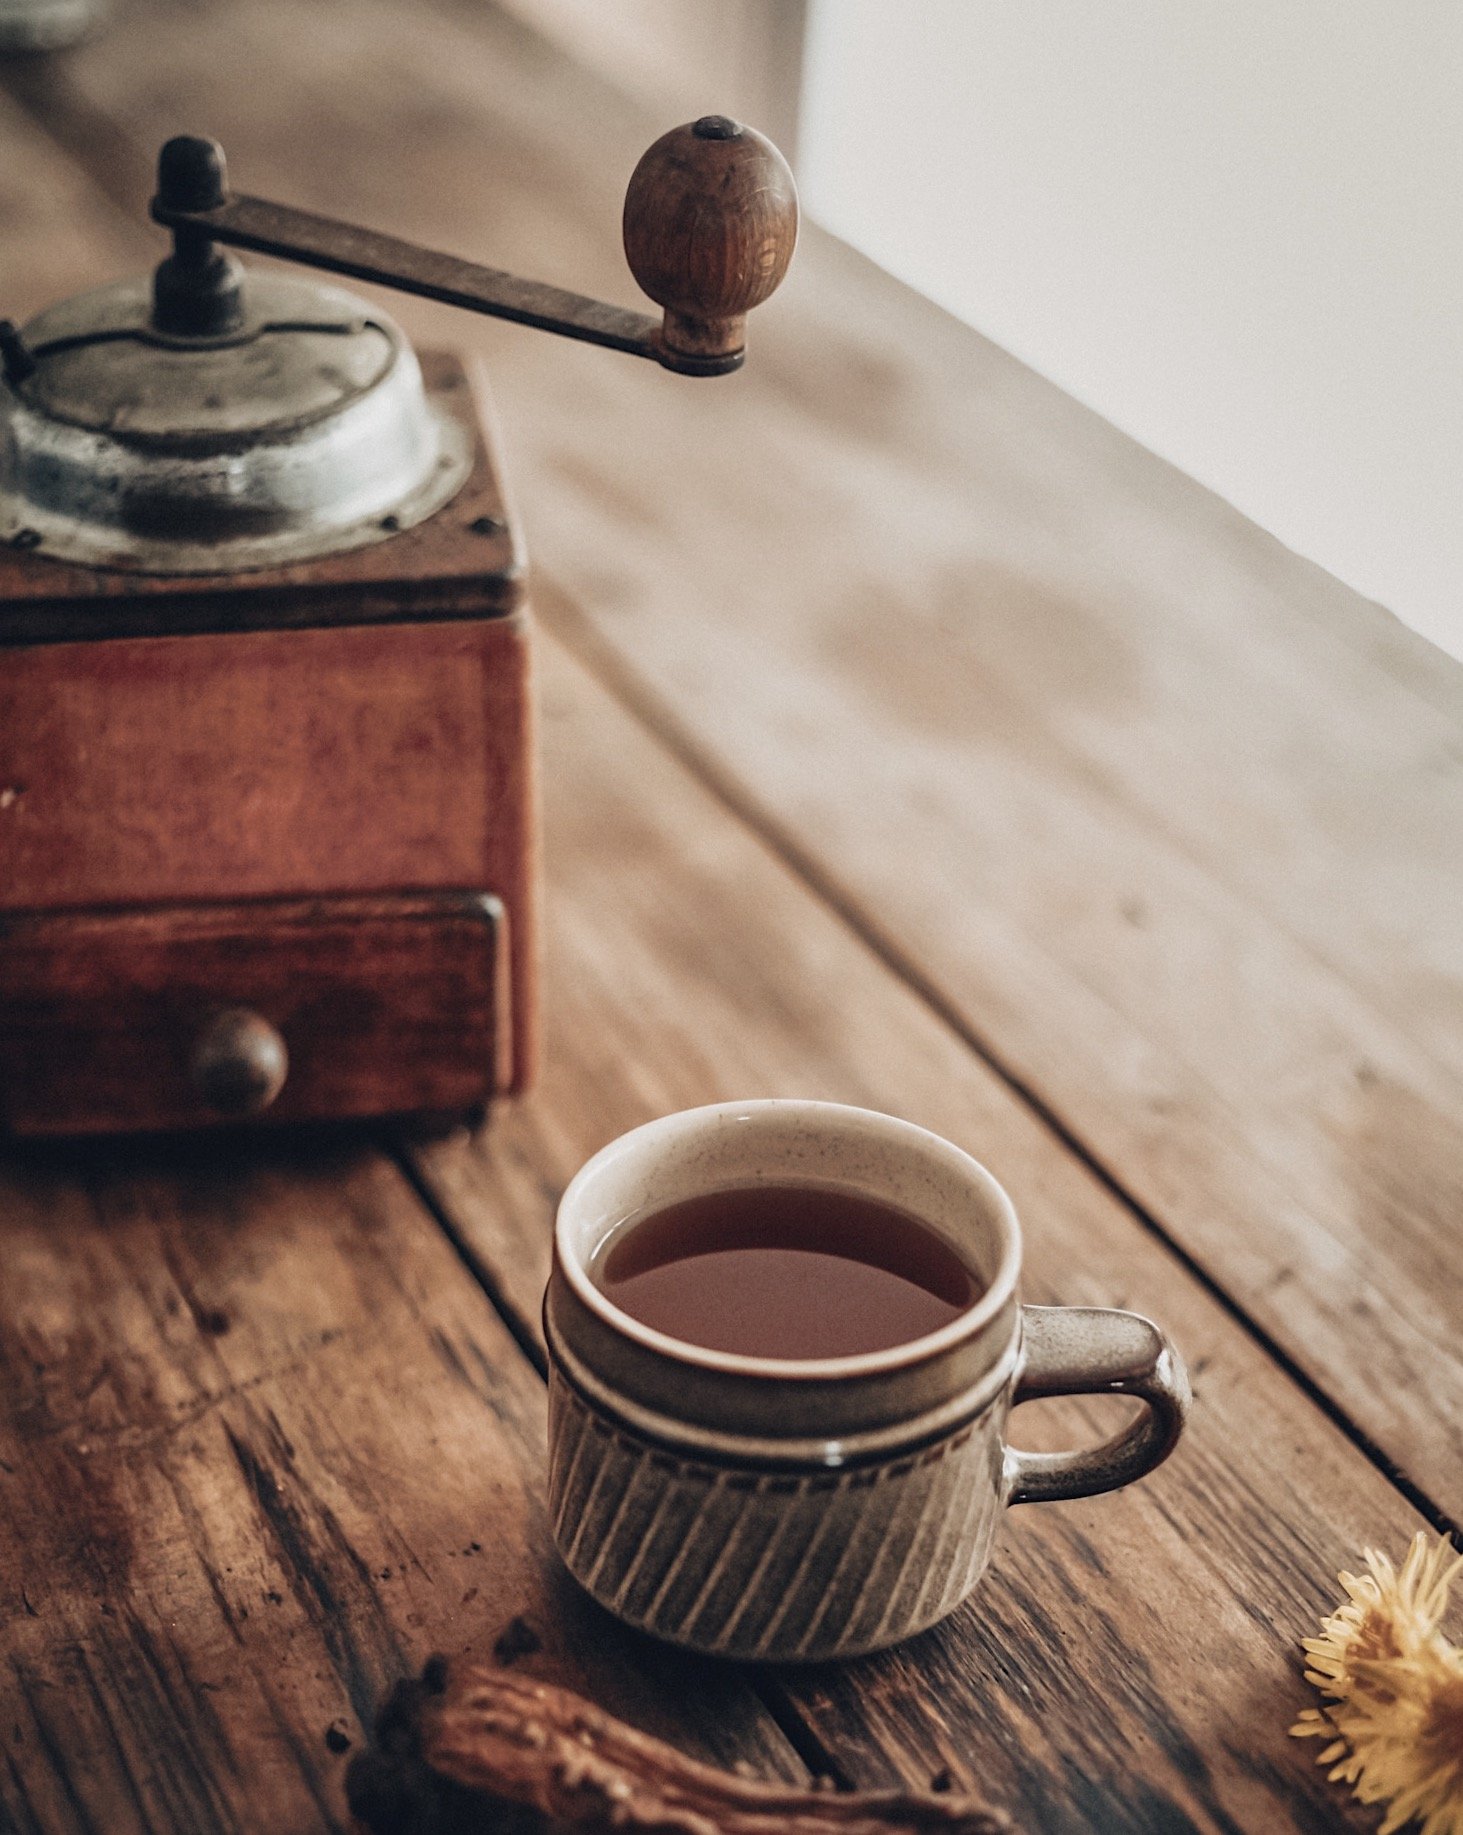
(788, 1567)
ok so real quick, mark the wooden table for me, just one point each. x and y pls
(911, 738)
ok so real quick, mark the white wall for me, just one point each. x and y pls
(1235, 227)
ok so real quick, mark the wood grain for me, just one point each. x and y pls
(1129, 1663)
(1161, 816)
(267, 764)
(263, 1447)
(384, 1006)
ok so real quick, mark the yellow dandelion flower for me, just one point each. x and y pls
(1393, 1713)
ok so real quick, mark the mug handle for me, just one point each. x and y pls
(1092, 1350)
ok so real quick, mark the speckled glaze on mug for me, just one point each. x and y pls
(788, 1511)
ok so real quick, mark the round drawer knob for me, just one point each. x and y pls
(239, 1063)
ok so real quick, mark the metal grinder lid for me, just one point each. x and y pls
(304, 430)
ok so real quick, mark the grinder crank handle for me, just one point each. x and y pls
(710, 223)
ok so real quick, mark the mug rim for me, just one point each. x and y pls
(998, 1293)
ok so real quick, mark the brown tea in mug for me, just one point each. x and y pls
(785, 1271)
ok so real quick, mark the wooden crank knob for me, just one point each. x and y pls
(711, 220)
(239, 1063)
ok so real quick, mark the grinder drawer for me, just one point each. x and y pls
(188, 1016)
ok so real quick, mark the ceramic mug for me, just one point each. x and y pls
(789, 1511)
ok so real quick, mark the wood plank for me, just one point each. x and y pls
(264, 1445)
(745, 55)
(1164, 817)
(1130, 1663)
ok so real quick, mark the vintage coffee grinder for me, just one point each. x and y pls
(266, 756)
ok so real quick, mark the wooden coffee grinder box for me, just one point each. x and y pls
(267, 807)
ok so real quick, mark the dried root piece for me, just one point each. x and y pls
(473, 1751)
